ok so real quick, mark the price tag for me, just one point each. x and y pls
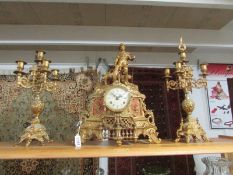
(77, 141)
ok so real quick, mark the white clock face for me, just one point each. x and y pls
(117, 98)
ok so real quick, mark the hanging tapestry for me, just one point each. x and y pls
(60, 116)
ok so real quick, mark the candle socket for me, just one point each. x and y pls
(167, 73)
(178, 65)
(39, 56)
(20, 65)
(203, 68)
(45, 64)
(32, 72)
(55, 73)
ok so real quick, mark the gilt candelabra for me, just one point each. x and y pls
(37, 80)
(190, 129)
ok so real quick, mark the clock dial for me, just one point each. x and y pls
(117, 98)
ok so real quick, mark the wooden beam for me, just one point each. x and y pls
(223, 4)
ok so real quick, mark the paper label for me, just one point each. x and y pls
(77, 141)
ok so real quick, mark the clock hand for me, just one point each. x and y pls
(113, 94)
(120, 96)
(116, 97)
(125, 94)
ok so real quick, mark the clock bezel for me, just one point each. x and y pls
(105, 98)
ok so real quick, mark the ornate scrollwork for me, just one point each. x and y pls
(199, 83)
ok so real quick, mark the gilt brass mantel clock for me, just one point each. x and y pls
(116, 108)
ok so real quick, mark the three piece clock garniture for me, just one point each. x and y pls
(116, 108)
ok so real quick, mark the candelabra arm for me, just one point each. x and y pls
(50, 86)
(24, 82)
(172, 84)
(199, 83)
